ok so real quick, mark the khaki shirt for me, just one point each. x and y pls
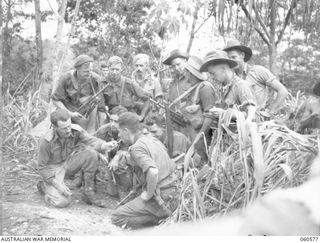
(73, 94)
(53, 152)
(131, 92)
(181, 143)
(150, 85)
(148, 152)
(259, 79)
(237, 92)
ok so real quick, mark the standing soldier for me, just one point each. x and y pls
(155, 172)
(235, 90)
(144, 77)
(74, 89)
(177, 60)
(122, 91)
(65, 150)
(257, 76)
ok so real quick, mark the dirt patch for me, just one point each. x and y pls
(25, 212)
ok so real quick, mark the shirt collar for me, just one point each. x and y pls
(137, 136)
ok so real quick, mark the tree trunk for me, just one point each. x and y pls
(272, 47)
(195, 18)
(59, 45)
(1, 122)
(38, 39)
(6, 47)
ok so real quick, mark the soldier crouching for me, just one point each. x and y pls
(65, 150)
(155, 173)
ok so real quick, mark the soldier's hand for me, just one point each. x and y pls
(215, 111)
(76, 115)
(145, 196)
(108, 146)
(62, 188)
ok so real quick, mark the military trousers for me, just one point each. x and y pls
(86, 161)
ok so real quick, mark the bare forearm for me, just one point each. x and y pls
(279, 101)
(152, 180)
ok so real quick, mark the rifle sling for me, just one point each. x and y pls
(183, 95)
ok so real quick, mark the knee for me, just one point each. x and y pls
(57, 202)
(118, 219)
(90, 155)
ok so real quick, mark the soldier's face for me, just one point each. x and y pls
(114, 120)
(178, 64)
(141, 67)
(63, 128)
(237, 56)
(218, 73)
(114, 71)
(84, 70)
(156, 131)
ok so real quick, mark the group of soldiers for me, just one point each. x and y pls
(141, 128)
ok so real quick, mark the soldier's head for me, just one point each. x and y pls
(141, 64)
(238, 52)
(156, 126)
(177, 60)
(129, 127)
(115, 113)
(83, 66)
(114, 67)
(219, 66)
(61, 122)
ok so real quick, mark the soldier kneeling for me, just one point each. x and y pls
(65, 150)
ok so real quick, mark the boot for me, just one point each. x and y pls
(77, 181)
(89, 195)
(40, 186)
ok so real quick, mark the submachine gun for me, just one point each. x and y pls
(176, 117)
(91, 104)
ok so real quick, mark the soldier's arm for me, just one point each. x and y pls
(207, 99)
(59, 94)
(44, 161)
(94, 142)
(246, 98)
(148, 166)
(282, 93)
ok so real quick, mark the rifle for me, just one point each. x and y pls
(176, 117)
(89, 105)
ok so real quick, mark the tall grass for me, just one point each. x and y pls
(18, 147)
(245, 161)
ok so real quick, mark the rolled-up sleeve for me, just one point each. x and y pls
(95, 143)
(261, 75)
(59, 93)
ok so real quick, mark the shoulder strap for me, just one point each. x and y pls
(121, 91)
(183, 95)
(202, 84)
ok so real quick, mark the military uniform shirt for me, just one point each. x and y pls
(73, 94)
(53, 153)
(259, 79)
(148, 152)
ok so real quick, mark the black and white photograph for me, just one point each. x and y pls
(147, 118)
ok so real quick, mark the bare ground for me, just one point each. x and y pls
(25, 212)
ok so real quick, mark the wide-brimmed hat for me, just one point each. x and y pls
(175, 54)
(235, 45)
(216, 57)
(316, 89)
(193, 66)
(82, 59)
